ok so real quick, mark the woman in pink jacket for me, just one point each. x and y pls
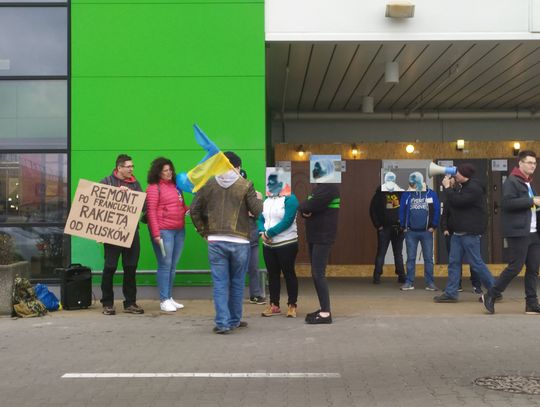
(166, 211)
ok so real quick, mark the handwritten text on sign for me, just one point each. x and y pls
(104, 213)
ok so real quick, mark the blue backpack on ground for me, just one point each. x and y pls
(46, 297)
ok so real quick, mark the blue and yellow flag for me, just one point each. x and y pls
(214, 163)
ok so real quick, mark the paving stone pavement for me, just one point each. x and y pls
(391, 348)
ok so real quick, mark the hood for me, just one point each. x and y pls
(129, 180)
(225, 180)
(517, 172)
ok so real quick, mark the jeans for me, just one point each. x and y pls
(281, 259)
(255, 283)
(412, 238)
(228, 264)
(173, 241)
(469, 246)
(394, 235)
(319, 254)
(130, 259)
(475, 280)
(523, 251)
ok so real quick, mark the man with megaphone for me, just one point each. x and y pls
(466, 197)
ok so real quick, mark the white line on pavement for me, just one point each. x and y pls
(197, 375)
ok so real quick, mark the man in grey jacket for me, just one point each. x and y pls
(519, 227)
(220, 213)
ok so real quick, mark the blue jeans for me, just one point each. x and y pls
(228, 264)
(469, 246)
(412, 238)
(173, 240)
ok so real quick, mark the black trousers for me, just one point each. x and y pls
(319, 254)
(130, 259)
(394, 235)
(281, 259)
(523, 251)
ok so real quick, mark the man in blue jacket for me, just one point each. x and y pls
(419, 214)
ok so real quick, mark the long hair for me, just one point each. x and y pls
(156, 167)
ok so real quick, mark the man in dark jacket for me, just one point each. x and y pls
(121, 177)
(220, 213)
(520, 229)
(320, 212)
(467, 202)
(384, 213)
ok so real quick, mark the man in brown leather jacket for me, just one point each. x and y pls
(220, 213)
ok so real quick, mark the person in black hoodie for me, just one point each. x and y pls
(519, 225)
(122, 177)
(320, 212)
(384, 213)
(467, 202)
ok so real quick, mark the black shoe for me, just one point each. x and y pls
(444, 298)
(257, 300)
(489, 302)
(477, 290)
(221, 331)
(376, 280)
(318, 319)
(242, 324)
(312, 314)
(533, 309)
(401, 278)
(497, 298)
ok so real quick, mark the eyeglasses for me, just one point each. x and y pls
(128, 166)
(529, 162)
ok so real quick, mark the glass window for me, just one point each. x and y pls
(33, 41)
(44, 248)
(33, 188)
(33, 114)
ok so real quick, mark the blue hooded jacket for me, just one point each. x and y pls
(419, 210)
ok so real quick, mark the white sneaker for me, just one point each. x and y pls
(176, 304)
(167, 306)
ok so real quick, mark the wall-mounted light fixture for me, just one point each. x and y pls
(409, 149)
(400, 9)
(367, 104)
(517, 147)
(300, 151)
(460, 144)
(354, 150)
(391, 72)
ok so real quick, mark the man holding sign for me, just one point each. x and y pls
(121, 177)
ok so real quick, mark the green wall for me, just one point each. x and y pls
(142, 74)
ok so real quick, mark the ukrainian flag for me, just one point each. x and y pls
(214, 163)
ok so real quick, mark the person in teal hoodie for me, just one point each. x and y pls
(419, 215)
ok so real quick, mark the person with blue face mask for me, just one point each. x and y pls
(277, 228)
(419, 214)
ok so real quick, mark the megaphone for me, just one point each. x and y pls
(435, 169)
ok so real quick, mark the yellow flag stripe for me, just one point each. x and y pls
(215, 165)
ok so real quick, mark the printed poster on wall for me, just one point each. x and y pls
(105, 213)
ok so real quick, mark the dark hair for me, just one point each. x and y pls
(233, 159)
(526, 153)
(121, 159)
(156, 167)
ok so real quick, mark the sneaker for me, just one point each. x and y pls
(489, 303)
(167, 306)
(498, 298)
(407, 287)
(311, 314)
(533, 309)
(221, 331)
(477, 290)
(431, 287)
(376, 278)
(134, 309)
(271, 310)
(444, 298)
(319, 319)
(176, 304)
(291, 311)
(257, 300)
(460, 289)
(401, 279)
(108, 310)
(241, 324)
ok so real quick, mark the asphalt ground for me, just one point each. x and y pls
(385, 348)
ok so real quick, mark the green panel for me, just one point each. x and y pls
(104, 2)
(158, 113)
(167, 39)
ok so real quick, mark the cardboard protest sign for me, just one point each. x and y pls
(104, 213)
